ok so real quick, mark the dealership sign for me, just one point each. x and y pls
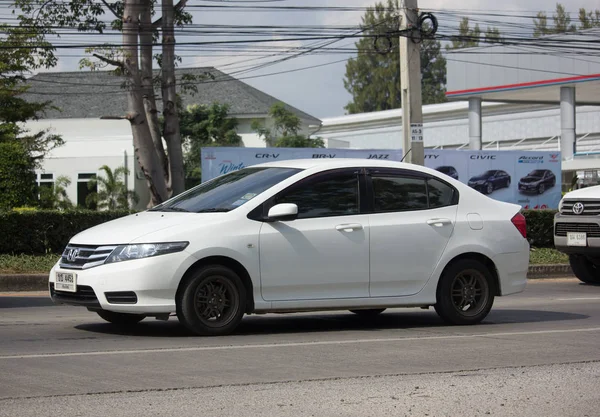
(529, 178)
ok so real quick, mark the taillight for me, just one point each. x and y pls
(520, 223)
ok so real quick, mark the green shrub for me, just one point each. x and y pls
(17, 177)
(540, 226)
(47, 231)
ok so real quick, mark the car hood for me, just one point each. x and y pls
(585, 193)
(479, 178)
(134, 227)
(529, 180)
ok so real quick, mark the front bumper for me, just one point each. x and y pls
(592, 223)
(528, 188)
(153, 281)
(478, 187)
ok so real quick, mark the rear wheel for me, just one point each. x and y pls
(368, 313)
(121, 319)
(584, 269)
(465, 293)
(212, 301)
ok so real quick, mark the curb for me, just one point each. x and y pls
(549, 271)
(23, 282)
(39, 282)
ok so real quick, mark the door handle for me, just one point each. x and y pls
(349, 227)
(439, 222)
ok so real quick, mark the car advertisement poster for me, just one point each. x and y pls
(529, 178)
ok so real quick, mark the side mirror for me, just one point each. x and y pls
(282, 212)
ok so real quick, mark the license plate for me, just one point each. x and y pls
(576, 239)
(65, 281)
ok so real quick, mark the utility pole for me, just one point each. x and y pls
(410, 80)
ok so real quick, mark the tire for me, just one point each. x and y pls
(541, 188)
(368, 313)
(508, 183)
(121, 319)
(489, 188)
(584, 269)
(460, 280)
(200, 307)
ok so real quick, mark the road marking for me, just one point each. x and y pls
(580, 298)
(294, 344)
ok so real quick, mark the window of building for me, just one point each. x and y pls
(84, 190)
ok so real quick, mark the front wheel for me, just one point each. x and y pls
(584, 269)
(541, 189)
(465, 293)
(121, 319)
(368, 313)
(489, 188)
(508, 183)
(212, 301)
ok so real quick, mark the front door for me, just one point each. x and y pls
(324, 253)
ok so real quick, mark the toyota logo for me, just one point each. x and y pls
(72, 255)
(578, 208)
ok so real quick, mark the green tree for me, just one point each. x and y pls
(562, 21)
(112, 193)
(55, 197)
(470, 37)
(285, 130)
(141, 33)
(373, 79)
(203, 126)
(17, 176)
(589, 20)
(21, 51)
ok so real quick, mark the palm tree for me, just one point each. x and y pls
(56, 195)
(111, 194)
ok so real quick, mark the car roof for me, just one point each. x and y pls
(327, 163)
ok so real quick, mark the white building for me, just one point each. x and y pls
(82, 98)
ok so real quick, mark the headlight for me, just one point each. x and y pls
(144, 250)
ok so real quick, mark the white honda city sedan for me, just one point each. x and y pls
(301, 235)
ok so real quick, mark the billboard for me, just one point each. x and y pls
(529, 178)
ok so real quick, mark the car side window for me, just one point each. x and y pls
(335, 194)
(396, 193)
(405, 193)
(440, 194)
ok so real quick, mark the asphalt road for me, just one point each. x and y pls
(538, 353)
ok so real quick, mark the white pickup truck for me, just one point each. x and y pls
(577, 232)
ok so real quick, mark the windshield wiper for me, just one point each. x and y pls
(214, 210)
(178, 209)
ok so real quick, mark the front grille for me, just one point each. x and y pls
(84, 256)
(84, 296)
(591, 229)
(121, 297)
(590, 207)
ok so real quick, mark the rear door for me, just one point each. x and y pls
(412, 220)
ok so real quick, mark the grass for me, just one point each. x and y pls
(27, 264)
(30, 264)
(539, 256)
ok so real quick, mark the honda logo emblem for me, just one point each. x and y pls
(578, 208)
(72, 254)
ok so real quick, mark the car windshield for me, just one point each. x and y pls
(228, 191)
(444, 169)
(488, 173)
(538, 173)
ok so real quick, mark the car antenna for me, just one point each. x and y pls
(405, 155)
